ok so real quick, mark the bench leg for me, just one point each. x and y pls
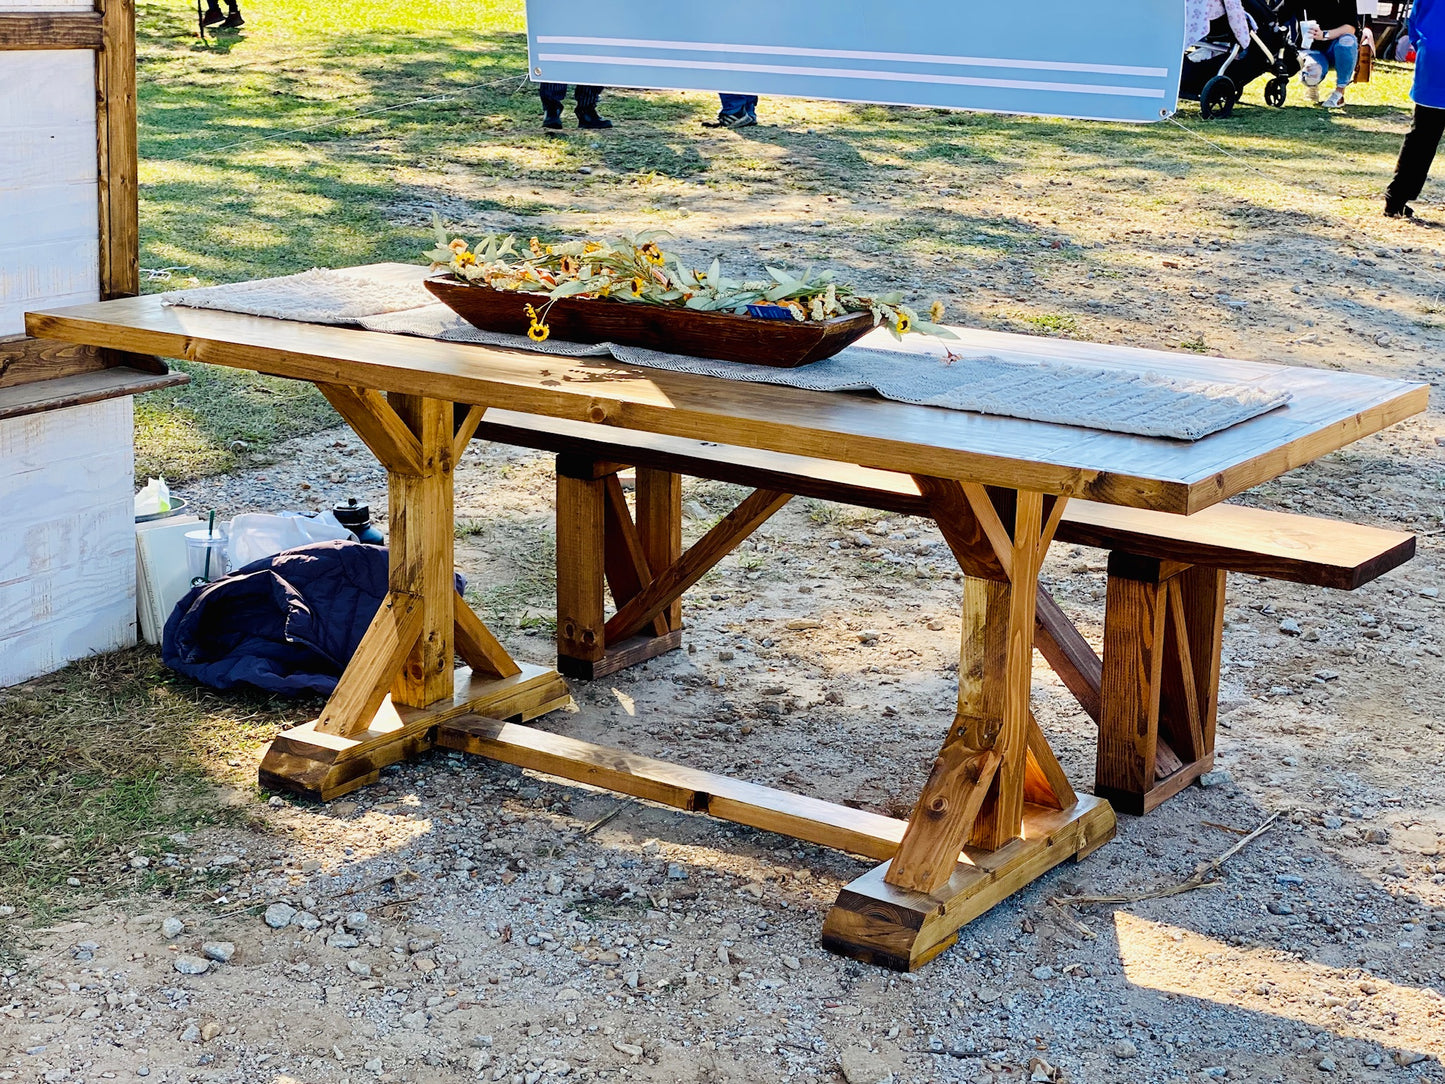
(1162, 636)
(659, 526)
(581, 510)
(1189, 696)
(599, 546)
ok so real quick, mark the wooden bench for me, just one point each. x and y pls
(1154, 693)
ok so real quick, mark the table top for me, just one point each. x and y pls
(1329, 409)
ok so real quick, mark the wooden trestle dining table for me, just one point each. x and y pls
(995, 812)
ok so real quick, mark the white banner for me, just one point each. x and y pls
(1055, 58)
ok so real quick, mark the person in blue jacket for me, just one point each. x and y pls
(1426, 28)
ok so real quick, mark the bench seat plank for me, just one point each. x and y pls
(1254, 541)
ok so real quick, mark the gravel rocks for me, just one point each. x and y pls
(222, 952)
(191, 965)
(859, 1065)
(172, 928)
(720, 972)
(279, 915)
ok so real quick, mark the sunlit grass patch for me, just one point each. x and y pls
(106, 761)
(1053, 323)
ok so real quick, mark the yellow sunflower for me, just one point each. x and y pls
(539, 331)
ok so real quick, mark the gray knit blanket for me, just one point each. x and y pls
(918, 371)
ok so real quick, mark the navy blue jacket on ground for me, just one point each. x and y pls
(285, 624)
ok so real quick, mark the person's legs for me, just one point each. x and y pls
(1322, 60)
(552, 95)
(1344, 53)
(738, 111)
(587, 115)
(1347, 59)
(1416, 155)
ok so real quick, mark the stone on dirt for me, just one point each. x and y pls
(279, 915)
(860, 1065)
(220, 951)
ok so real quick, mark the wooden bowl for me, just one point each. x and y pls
(722, 335)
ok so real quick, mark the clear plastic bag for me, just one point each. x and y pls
(255, 535)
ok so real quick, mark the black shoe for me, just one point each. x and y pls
(234, 20)
(732, 120)
(552, 118)
(213, 14)
(1399, 210)
(588, 117)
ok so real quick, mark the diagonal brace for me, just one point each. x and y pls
(365, 682)
(695, 563)
(378, 425)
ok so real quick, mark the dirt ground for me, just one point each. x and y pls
(466, 921)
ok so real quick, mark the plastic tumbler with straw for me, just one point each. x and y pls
(206, 553)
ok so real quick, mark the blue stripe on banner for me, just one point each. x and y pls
(1040, 57)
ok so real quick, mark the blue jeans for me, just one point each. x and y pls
(1343, 53)
(739, 103)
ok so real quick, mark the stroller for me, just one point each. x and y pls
(1217, 69)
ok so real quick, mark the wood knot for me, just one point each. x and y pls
(598, 412)
(938, 806)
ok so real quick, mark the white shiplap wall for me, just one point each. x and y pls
(67, 546)
(46, 5)
(67, 551)
(49, 204)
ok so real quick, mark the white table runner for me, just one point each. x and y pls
(917, 371)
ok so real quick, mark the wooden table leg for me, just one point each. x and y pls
(402, 680)
(996, 811)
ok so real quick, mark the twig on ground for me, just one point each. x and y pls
(393, 879)
(1203, 876)
(397, 902)
(1064, 918)
(600, 821)
(1225, 827)
(811, 1048)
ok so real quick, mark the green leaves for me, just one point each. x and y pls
(572, 289)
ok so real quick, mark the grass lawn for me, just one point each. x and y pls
(327, 135)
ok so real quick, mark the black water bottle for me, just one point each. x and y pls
(356, 518)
